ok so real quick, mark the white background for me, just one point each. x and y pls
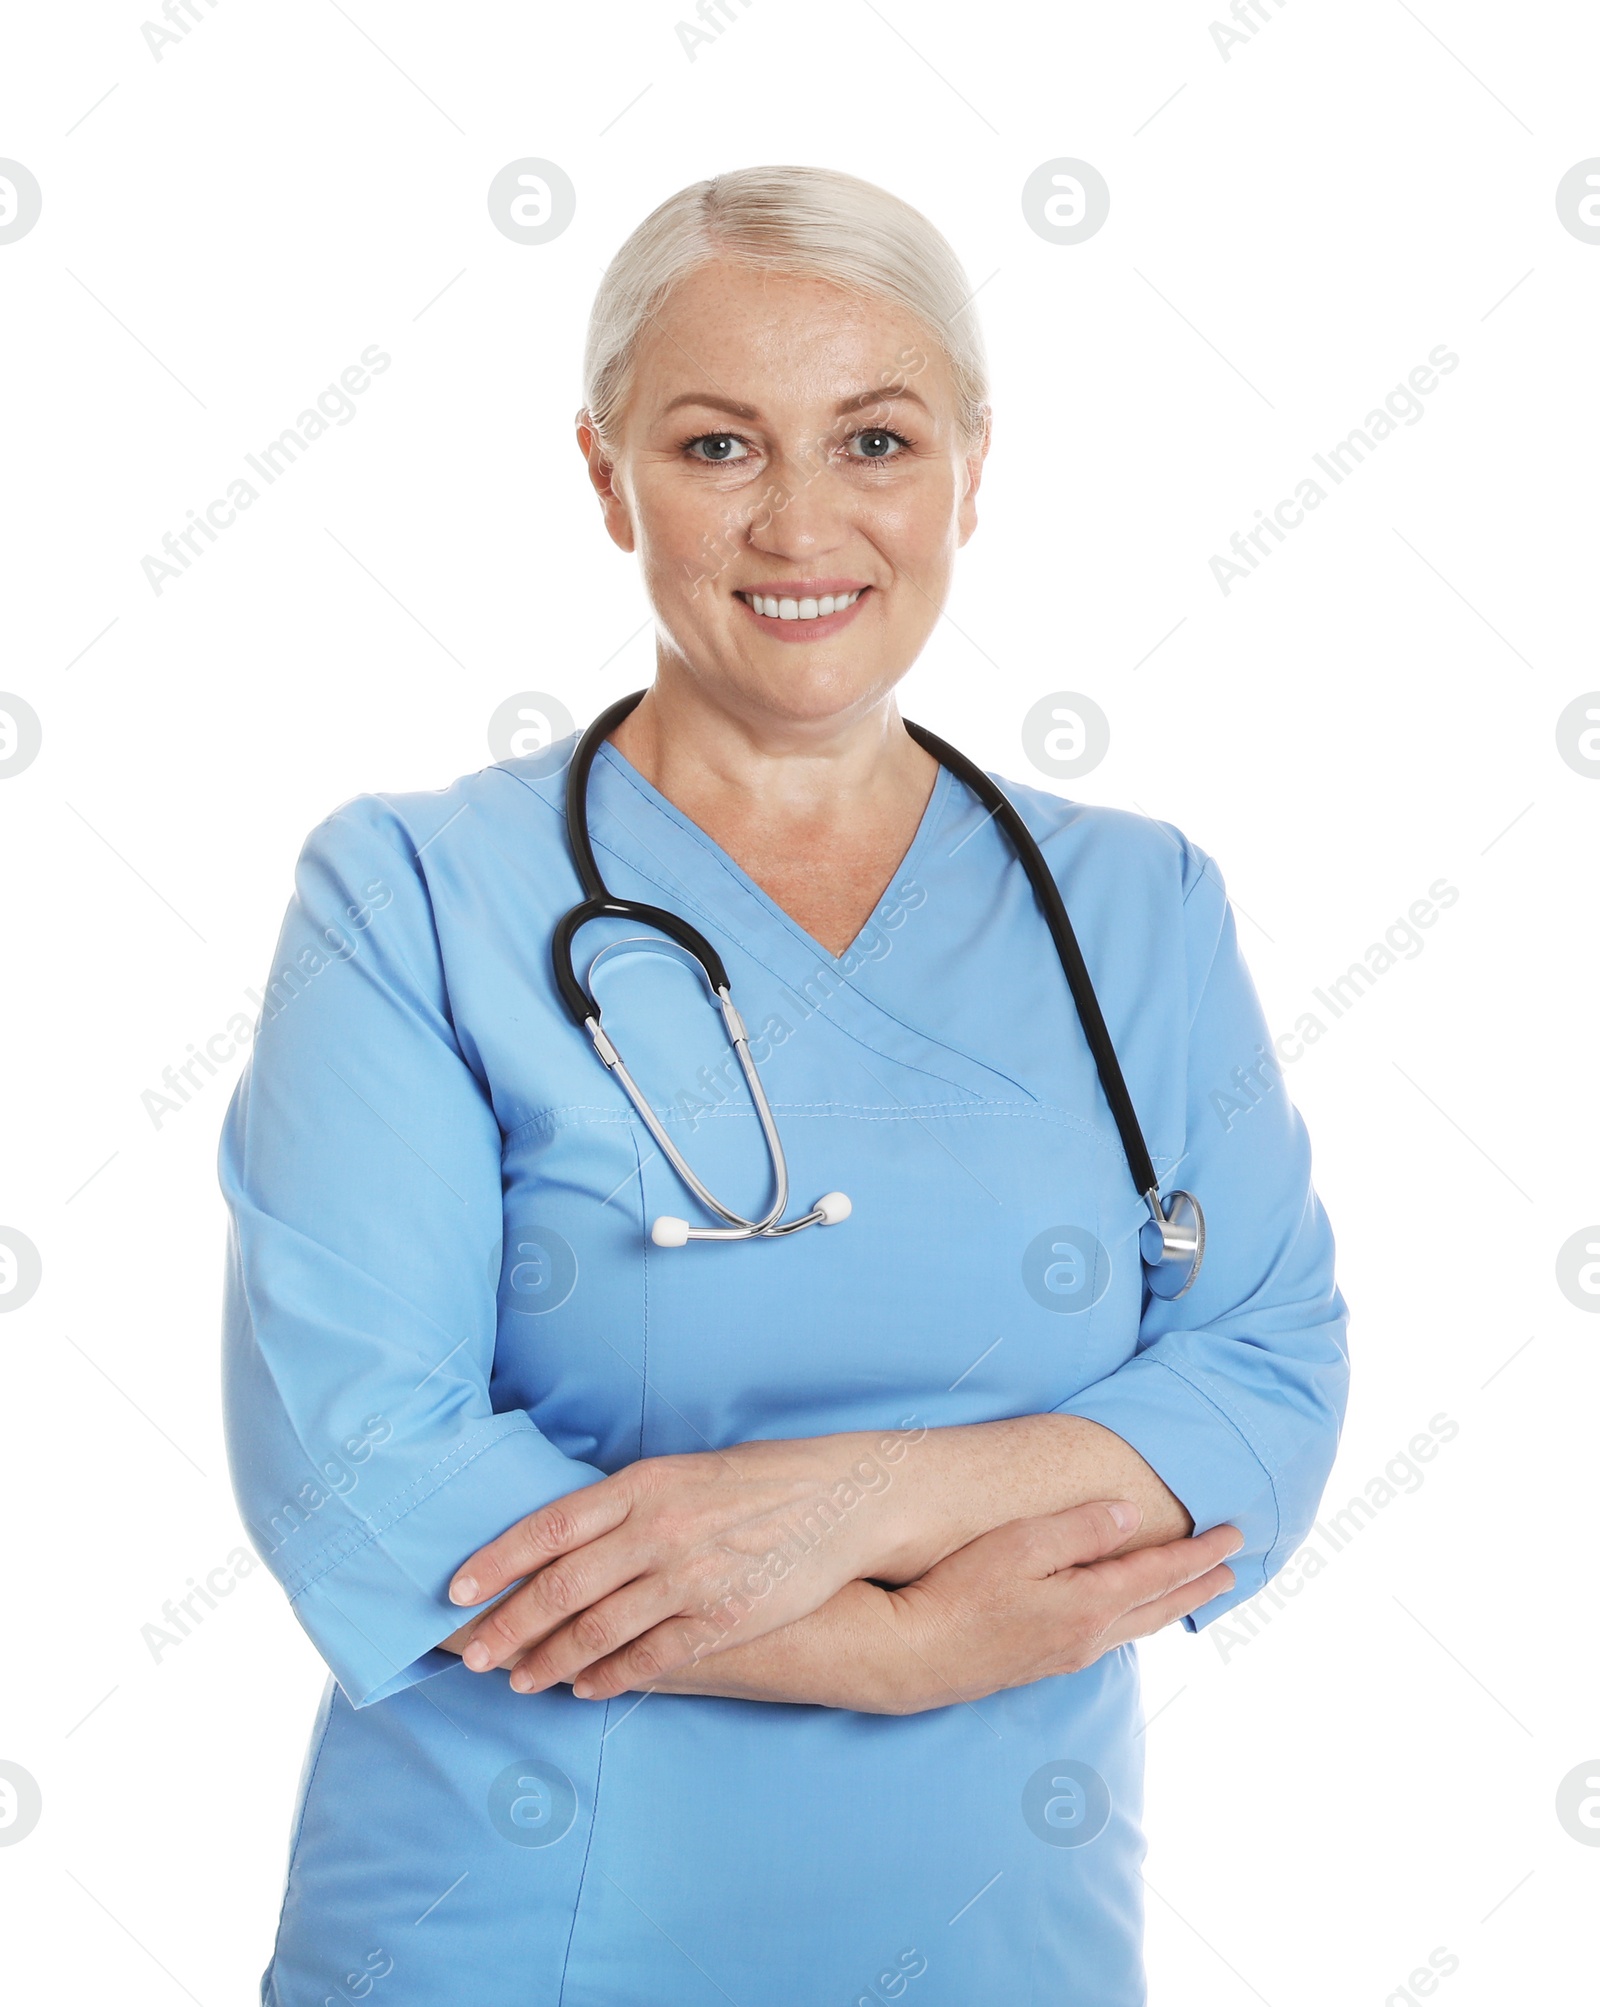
(1292, 230)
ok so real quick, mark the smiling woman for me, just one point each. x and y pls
(800, 1571)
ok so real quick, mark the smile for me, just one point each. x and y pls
(774, 608)
(805, 616)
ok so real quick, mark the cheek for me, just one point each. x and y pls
(918, 536)
(687, 533)
(915, 522)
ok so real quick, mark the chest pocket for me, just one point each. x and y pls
(980, 1274)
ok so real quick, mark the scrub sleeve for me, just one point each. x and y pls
(1236, 1394)
(360, 1161)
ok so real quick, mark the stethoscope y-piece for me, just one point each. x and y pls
(668, 1231)
(1171, 1242)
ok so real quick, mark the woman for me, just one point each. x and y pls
(818, 1683)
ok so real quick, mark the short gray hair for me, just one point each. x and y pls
(808, 220)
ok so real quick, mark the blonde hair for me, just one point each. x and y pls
(807, 220)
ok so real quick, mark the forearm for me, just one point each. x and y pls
(959, 1483)
(766, 1534)
(855, 1652)
(1035, 1597)
(904, 1501)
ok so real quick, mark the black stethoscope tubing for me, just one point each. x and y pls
(1184, 1240)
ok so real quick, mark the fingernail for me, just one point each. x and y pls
(1126, 1514)
(476, 1657)
(463, 1590)
(582, 1689)
(522, 1682)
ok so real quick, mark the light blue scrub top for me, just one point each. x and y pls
(443, 1310)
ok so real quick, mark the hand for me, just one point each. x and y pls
(675, 1557)
(1035, 1598)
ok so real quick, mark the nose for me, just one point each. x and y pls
(801, 515)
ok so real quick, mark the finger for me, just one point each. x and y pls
(594, 1633)
(553, 1530)
(1163, 1610)
(1071, 1539)
(1132, 1579)
(554, 1596)
(654, 1655)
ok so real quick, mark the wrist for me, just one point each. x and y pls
(894, 1671)
(914, 1495)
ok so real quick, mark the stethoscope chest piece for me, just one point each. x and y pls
(1172, 1242)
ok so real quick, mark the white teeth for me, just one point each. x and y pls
(799, 609)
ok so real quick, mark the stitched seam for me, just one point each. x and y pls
(644, 1308)
(588, 1846)
(729, 870)
(1218, 1401)
(1032, 1111)
(747, 938)
(569, 1116)
(1236, 1423)
(298, 1580)
(1208, 869)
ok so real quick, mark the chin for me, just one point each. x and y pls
(812, 692)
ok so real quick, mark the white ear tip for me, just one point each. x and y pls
(668, 1232)
(833, 1206)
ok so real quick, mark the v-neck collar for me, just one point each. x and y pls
(927, 825)
(635, 825)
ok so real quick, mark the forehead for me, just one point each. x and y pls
(773, 339)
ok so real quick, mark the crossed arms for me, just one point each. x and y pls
(883, 1573)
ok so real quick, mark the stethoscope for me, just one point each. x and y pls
(1171, 1242)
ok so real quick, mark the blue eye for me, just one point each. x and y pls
(727, 449)
(720, 440)
(882, 438)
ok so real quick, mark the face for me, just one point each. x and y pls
(787, 444)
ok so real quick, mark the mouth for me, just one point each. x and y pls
(804, 611)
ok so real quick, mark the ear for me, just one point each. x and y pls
(967, 514)
(603, 477)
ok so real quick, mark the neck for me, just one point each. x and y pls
(819, 812)
(736, 759)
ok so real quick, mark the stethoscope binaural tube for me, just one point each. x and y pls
(1171, 1241)
(582, 1005)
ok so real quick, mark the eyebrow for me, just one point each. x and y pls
(858, 402)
